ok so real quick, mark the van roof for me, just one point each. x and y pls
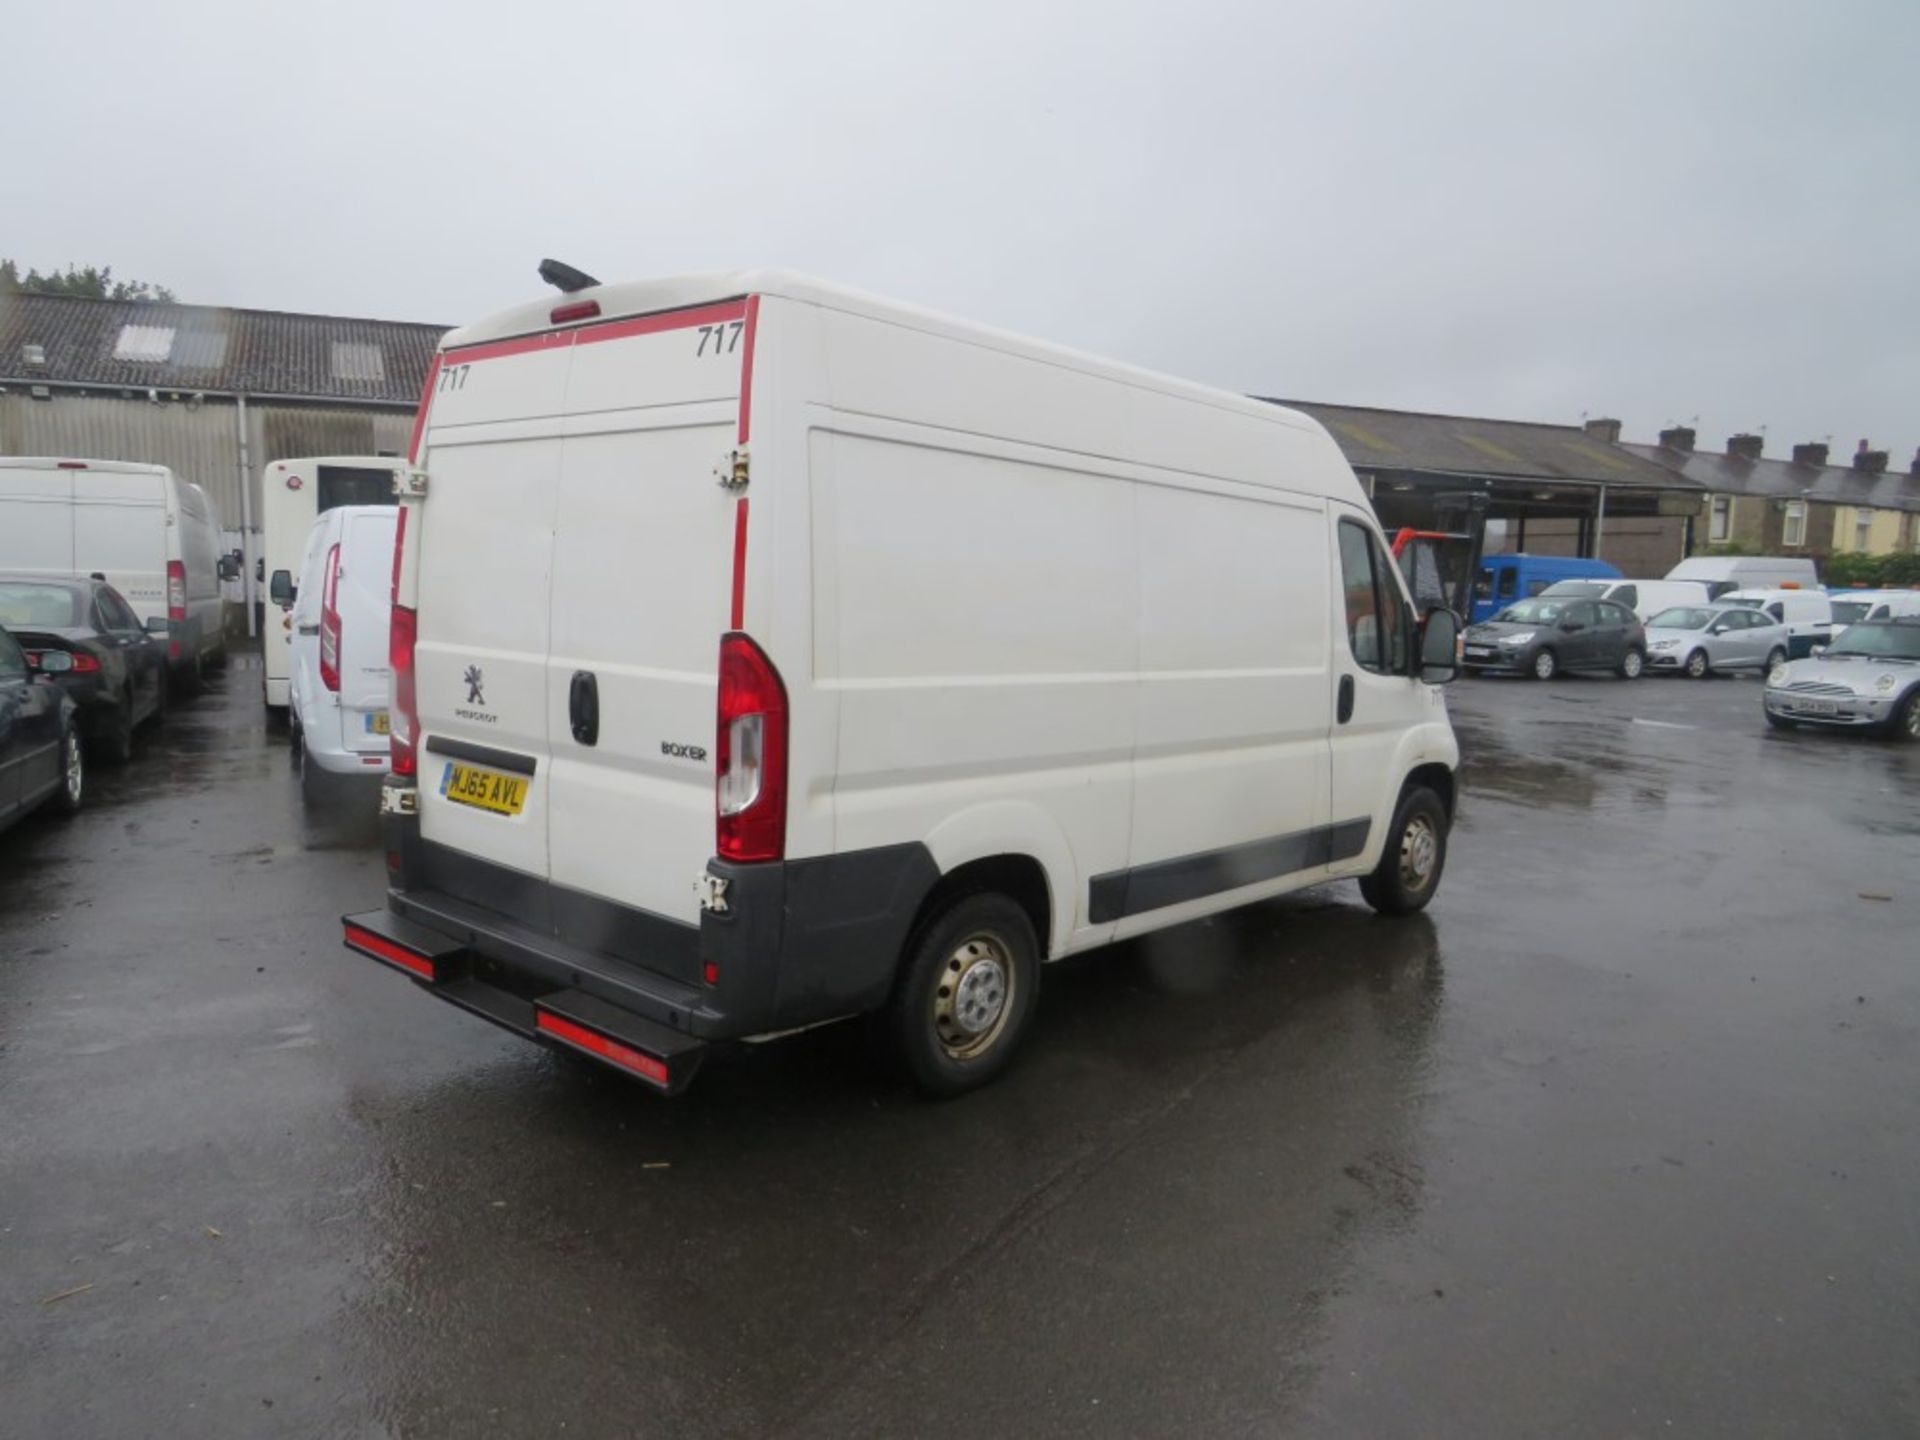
(55, 462)
(371, 462)
(647, 297)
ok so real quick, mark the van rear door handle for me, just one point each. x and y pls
(1343, 712)
(583, 707)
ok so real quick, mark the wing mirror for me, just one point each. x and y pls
(1439, 647)
(156, 624)
(53, 662)
(281, 588)
(229, 566)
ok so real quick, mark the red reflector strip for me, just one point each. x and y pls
(605, 1046)
(382, 948)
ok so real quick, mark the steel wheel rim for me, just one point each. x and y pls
(76, 770)
(974, 996)
(1419, 852)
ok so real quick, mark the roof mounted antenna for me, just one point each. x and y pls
(563, 276)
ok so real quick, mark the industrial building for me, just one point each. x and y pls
(214, 394)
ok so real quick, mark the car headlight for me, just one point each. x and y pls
(1886, 683)
(1777, 675)
(1665, 644)
(1521, 639)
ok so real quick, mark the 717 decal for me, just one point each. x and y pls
(725, 337)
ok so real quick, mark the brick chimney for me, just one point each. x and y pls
(1813, 454)
(1605, 431)
(1869, 462)
(1679, 437)
(1744, 447)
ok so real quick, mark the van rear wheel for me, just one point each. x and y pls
(1416, 852)
(965, 994)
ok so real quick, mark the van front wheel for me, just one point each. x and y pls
(965, 994)
(1416, 853)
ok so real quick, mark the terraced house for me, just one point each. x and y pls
(1802, 505)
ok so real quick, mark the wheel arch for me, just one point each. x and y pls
(1013, 847)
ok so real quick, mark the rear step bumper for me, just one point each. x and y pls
(571, 1019)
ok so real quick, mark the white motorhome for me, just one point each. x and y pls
(1722, 573)
(766, 653)
(340, 675)
(154, 536)
(293, 493)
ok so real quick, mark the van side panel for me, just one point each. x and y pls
(974, 616)
(1235, 699)
(120, 529)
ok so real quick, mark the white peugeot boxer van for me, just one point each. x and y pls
(292, 494)
(341, 628)
(154, 536)
(766, 653)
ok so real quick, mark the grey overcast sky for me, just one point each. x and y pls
(1651, 210)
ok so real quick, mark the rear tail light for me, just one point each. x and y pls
(404, 733)
(330, 623)
(83, 663)
(750, 748)
(176, 590)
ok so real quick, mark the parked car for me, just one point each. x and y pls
(1721, 573)
(341, 619)
(1507, 578)
(1646, 598)
(1697, 640)
(1853, 606)
(153, 536)
(40, 754)
(1869, 678)
(293, 493)
(118, 678)
(1177, 694)
(1543, 637)
(1807, 614)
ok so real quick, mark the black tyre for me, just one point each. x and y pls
(1633, 664)
(116, 743)
(1905, 724)
(318, 789)
(1545, 665)
(1780, 722)
(1698, 667)
(965, 994)
(73, 774)
(1775, 656)
(1415, 856)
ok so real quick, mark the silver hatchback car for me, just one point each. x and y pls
(1867, 679)
(1697, 640)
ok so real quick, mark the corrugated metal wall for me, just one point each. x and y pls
(197, 442)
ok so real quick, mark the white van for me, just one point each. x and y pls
(340, 675)
(154, 536)
(1747, 572)
(1850, 606)
(1807, 614)
(766, 654)
(1646, 598)
(292, 494)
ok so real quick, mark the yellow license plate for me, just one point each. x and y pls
(379, 724)
(484, 789)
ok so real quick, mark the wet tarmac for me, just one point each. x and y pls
(1621, 1139)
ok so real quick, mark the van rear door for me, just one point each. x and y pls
(483, 570)
(120, 530)
(361, 599)
(643, 575)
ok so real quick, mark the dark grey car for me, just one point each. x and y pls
(1543, 636)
